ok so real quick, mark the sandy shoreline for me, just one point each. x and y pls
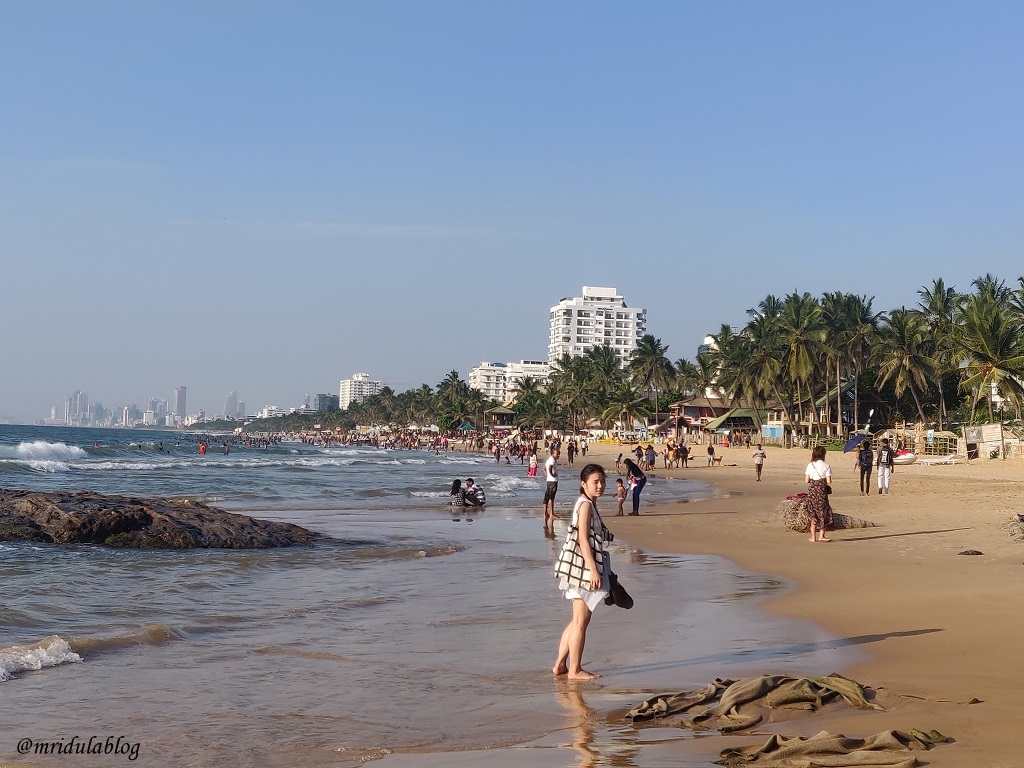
(936, 625)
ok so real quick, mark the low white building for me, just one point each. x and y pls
(498, 381)
(356, 389)
(491, 379)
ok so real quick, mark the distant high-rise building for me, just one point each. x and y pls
(326, 402)
(356, 389)
(82, 408)
(241, 409)
(179, 403)
(598, 317)
(231, 405)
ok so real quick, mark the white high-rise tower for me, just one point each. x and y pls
(598, 317)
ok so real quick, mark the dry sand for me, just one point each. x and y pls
(940, 628)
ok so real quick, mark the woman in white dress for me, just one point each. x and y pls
(584, 569)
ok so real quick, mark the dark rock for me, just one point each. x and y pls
(84, 517)
(970, 552)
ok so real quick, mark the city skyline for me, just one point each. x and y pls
(407, 189)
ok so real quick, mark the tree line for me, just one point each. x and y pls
(936, 362)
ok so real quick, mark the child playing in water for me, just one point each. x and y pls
(620, 495)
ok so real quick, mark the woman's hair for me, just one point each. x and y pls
(818, 453)
(456, 487)
(591, 469)
(630, 463)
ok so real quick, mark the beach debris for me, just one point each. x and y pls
(970, 552)
(887, 749)
(1015, 527)
(790, 514)
(718, 706)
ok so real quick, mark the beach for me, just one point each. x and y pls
(427, 638)
(939, 629)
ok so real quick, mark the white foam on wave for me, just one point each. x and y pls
(44, 465)
(508, 485)
(49, 652)
(40, 450)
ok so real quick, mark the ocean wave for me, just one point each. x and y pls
(41, 450)
(154, 634)
(51, 651)
(35, 465)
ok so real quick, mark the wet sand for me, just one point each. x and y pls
(933, 629)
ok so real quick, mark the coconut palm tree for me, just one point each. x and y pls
(991, 340)
(938, 307)
(902, 354)
(802, 337)
(650, 367)
(626, 404)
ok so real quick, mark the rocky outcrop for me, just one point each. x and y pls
(83, 517)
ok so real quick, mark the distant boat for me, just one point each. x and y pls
(904, 457)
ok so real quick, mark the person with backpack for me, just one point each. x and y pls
(866, 462)
(885, 465)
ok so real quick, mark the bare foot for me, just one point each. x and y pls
(560, 669)
(813, 541)
(824, 539)
(582, 675)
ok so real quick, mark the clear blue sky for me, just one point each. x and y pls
(269, 197)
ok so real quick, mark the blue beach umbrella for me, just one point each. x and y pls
(853, 442)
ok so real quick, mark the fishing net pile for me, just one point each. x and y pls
(791, 514)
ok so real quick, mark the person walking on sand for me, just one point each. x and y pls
(885, 465)
(759, 455)
(865, 462)
(620, 495)
(583, 568)
(711, 454)
(818, 477)
(550, 489)
(637, 480)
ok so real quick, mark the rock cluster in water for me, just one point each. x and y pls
(84, 517)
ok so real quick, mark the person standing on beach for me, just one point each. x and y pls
(550, 489)
(818, 477)
(533, 464)
(759, 455)
(711, 454)
(885, 465)
(620, 495)
(866, 462)
(637, 480)
(583, 568)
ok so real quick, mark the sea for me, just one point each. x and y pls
(418, 632)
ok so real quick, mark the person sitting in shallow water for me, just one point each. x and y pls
(475, 496)
(457, 496)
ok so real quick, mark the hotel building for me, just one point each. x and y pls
(356, 389)
(498, 381)
(598, 317)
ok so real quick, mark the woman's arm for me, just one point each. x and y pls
(583, 536)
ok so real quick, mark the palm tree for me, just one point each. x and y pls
(626, 405)
(902, 354)
(991, 339)
(650, 367)
(938, 306)
(802, 336)
(862, 328)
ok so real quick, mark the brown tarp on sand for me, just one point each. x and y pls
(719, 705)
(888, 749)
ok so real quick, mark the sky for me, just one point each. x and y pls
(269, 197)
